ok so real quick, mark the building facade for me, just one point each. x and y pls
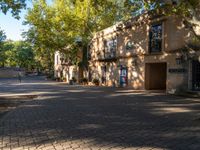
(65, 70)
(148, 52)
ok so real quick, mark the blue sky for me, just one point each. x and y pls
(13, 27)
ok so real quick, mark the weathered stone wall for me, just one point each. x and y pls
(10, 72)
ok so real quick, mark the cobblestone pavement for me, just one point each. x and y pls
(90, 118)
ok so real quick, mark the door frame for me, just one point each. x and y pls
(195, 74)
(147, 76)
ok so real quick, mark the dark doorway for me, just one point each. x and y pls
(80, 74)
(196, 75)
(103, 77)
(89, 75)
(155, 76)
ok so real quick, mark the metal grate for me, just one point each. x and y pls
(196, 75)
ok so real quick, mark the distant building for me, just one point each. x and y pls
(65, 70)
(146, 52)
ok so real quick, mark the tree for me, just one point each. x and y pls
(2, 52)
(17, 54)
(2, 36)
(188, 10)
(13, 5)
(24, 55)
(40, 33)
(62, 25)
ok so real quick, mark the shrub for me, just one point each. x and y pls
(57, 79)
(96, 81)
(84, 81)
(64, 79)
(74, 79)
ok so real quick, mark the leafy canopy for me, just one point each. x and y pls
(63, 24)
(14, 6)
(19, 53)
(68, 25)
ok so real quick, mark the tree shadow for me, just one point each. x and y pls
(103, 119)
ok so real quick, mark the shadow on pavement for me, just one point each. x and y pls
(92, 117)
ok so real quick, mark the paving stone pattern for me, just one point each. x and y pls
(95, 118)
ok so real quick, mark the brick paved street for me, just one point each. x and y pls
(76, 117)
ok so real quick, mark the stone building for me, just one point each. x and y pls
(66, 70)
(148, 52)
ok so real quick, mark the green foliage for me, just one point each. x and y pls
(6, 55)
(84, 81)
(17, 54)
(5, 47)
(12, 5)
(2, 36)
(2, 52)
(24, 56)
(74, 79)
(188, 10)
(96, 81)
(58, 26)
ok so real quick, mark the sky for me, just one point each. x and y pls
(13, 27)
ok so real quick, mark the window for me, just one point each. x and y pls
(110, 48)
(155, 38)
(129, 45)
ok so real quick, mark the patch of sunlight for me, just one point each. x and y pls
(76, 91)
(47, 97)
(16, 94)
(146, 95)
(135, 74)
(165, 104)
(36, 83)
(83, 143)
(121, 94)
(129, 91)
(191, 129)
(29, 106)
(147, 148)
(132, 94)
(27, 93)
(170, 110)
(175, 135)
(90, 126)
(91, 91)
